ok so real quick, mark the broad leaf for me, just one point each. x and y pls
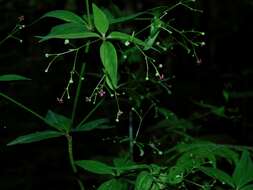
(122, 162)
(144, 181)
(218, 174)
(12, 77)
(34, 137)
(95, 124)
(112, 184)
(243, 173)
(175, 175)
(66, 16)
(95, 167)
(124, 165)
(125, 38)
(100, 20)
(109, 59)
(58, 121)
(68, 31)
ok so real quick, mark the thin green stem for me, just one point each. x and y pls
(77, 94)
(141, 120)
(88, 13)
(70, 151)
(90, 113)
(72, 161)
(22, 106)
(6, 38)
(14, 30)
(80, 184)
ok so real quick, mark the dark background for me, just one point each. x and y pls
(226, 63)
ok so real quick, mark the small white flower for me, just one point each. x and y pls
(127, 43)
(71, 81)
(66, 41)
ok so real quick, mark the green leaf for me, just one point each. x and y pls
(226, 95)
(150, 41)
(175, 175)
(247, 187)
(229, 154)
(123, 169)
(112, 184)
(58, 121)
(66, 16)
(68, 31)
(100, 20)
(155, 25)
(95, 124)
(144, 181)
(219, 111)
(126, 18)
(109, 59)
(125, 38)
(35, 137)
(95, 167)
(122, 162)
(12, 77)
(154, 32)
(218, 174)
(168, 114)
(243, 174)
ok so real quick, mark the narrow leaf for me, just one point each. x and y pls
(66, 16)
(243, 172)
(12, 77)
(126, 18)
(58, 121)
(100, 20)
(218, 174)
(95, 124)
(95, 167)
(68, 31)
(109, 59)
(125, 38)
(34, 137)
(247, 187)
(150, 41)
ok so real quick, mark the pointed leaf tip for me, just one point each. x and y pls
(100, 19)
